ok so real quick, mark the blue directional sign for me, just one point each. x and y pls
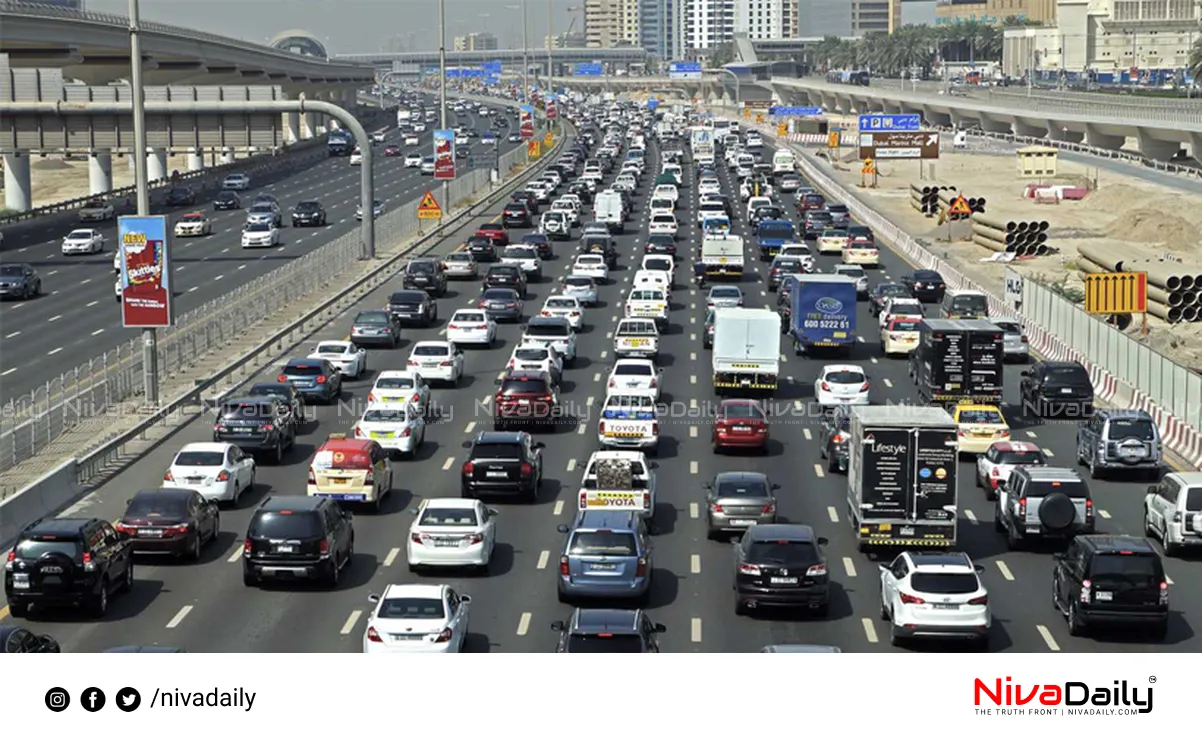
(652, 104)
(492, 67)
(588, 69)
(890, 122)
(684, 70)
(795, 110)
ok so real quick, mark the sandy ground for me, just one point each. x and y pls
(1141, 217)
(54, 179)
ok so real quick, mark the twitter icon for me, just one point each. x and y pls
(128, 699)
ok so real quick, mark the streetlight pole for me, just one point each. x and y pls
(550, 65)
(442, 87)
(150, 341)
(525, 54)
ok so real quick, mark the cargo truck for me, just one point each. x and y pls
(701, 144)
(958, 360)
(722, 255)
(901, 477)
(746, 350)
(822, 311)
(771, 234)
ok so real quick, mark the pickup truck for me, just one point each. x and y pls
(636, 336)
(618, 481)
(96, 210)
(628, 421)
(649, 303)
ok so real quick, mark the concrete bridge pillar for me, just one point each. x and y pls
(100, 171)
(1156, 149)
(196, 161)
(963, 122)
(1058, 132)
(308, 125)
(335, 97)
(937, 118)
(993, 125)
(1023, 129)
(1195, 145)
(290, 123)
(227, 156)
(1096, 138)
(156, 164)
(18, 193)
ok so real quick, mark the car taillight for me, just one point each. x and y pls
(371, 396)
(321, 379)
(1089, 508)
(840, 438)
(452, 326)
(416, 538)
(282, 378)
(527, 469)
(223, 476)
(747, 569)
(247, 546)
(1003, 432)
(372, 635)
(640, 569)
(168, 477)
(413, 363)
(469, 468)
(444, 636)
(481, 304)
(1023, 339)
(770, 509)
(979, 601)
(444, 363)
(475, 538)
(177, 529)
(1086, 590)
(655, 429)
(267, 427)
(908, 599)
(1164, 592)
(864, 387)
(124, 528)
(369, 478)
(312, 477)
(716, 508)
(12, 555)
(826, 387)
(1022, 508)
(324, 546)
(654, 384)
(816, 571)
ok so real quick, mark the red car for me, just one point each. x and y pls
(392, 151)
(740, 424)
(495, 232)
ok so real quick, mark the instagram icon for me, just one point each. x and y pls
(57, 699)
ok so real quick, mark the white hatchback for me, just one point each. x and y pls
(472, 328)
(842, 384)
(440, 360)
(592, 266)
(219, 472)
(451, 532)
(569, 308)
(417, 619)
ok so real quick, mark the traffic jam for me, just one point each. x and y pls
(677, 384)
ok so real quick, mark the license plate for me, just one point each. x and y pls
(742, 429)
(446, 542)
(498, 475)
(1066, 390)
(240, 429)
(946, 606)
(1103, 596)
(636, 343)
(783, 581)
(150, 532)
(196, 479)
(742, 522)
(602, 567)
(382, 434)
(285, 549)
(21, 581)
(430, 364)
(339, 480)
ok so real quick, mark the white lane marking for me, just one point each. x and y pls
(97, 332)
(179, 616)
(470, 427)
(818, 471)
(15, 333)
(832, 514)
(56, 317)
(51, 353)
(1048, 452)
(694, 511)
(1047, 638)
(349, 625)
(692, 355)
(580, 429)
(392, 556)
(543, 557)
(693, 403)
(571, 465)
(604, 354)
(449, 463)
(972, 517)
(242, 267)
(558, 508)
(6, 372)
(597, 377)
(693, 320)
(849, 567)
(219, 278)
(695, 629)
(236, 556)
(93, 303)
(1031, 435)
(873, 359)
(1104, 513)
(692, 432)
(1004, 570)
(808, 434)
(693, 468)
(524, 624)
(695, 564)
(869, 630)
(85, 281)
(193, 289)
(888, 383)
(589, 402)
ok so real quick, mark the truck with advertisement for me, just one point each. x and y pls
(901, 477)
(722, 255)
(822, 311)
(958, 361)
(771, 234)
(746, 351)
(701, 144)
(618, 481)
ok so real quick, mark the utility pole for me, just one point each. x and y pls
(150, 340)
(525, 55)
(442, 88)
(550, 65)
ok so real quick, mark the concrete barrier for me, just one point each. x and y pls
(54, 491)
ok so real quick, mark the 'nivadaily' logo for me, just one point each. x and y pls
(1069, 697)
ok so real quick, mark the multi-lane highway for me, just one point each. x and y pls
(77, 317)
(205, 607)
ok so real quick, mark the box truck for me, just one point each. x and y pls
(746, 352)
(958, 360)
(822, 311)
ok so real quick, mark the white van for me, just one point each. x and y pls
(666, 191)
(665, 263)
(652, 279)
(608, 208)
(783, 162)
(663, 204)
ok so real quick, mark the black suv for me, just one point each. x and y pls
(608, 631)
(603, 246)
(1113, 580)
(781, 565)
(1053, 389)
(227, 200)
(483, 249)
(259, 425)
(286, 393)
(68, 562)
(414, 307)
(925, 285)
(309, 214)
(516, 214)
(506, 276)
(425, 274)
(180, 196)
(295, 536)
(503, 464)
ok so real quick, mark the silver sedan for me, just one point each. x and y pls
(737, 500)
(582, 288)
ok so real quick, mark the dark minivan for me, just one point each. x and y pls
(1052, 389)
(264, 425)
(298, 537)
(1114, 580)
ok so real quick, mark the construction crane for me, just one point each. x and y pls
(567, 34)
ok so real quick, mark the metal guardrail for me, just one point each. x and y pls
(36, 10)
(110, 384)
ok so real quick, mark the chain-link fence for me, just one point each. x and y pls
(113, 383)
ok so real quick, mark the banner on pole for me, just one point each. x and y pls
(526, 122)
(146, 300)
(551, 109)
(444, 154)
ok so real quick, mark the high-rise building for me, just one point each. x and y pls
(708, 24)
(996, 11)
(609, 23)
(823, 18)
(766, 19)
(482, 42)
(565, 40)
(660, 28)
(875, 16)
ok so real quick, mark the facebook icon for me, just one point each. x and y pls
(92, 699)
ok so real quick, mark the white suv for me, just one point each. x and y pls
(935, 595)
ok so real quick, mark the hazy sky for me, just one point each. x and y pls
(349, 26)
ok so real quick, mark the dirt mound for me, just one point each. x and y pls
(1116, 199)
(1154, 226)
(51, 165)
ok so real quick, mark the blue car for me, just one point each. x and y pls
(314, 379)
(489, 137)
(607, 555)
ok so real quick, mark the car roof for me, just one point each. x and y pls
(592, 519)
(57, 527)
(248, 400)
(1047, 472)
(399, 373)
(1021, 447)
(449, 503)
(941, 562)
(1119, 543)
(356, 445)
(741, 477)
(1124, 414)
(613, 621)
(500, 437)
(290, 503)
(792, 532)
(1188, 479)
(445, 345)
(413, 591)
(205, 446)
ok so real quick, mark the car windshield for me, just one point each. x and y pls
(258, 227)
(970, 303)
(892, 290)
(150, 505)
(845, 377)
(500, 295)
(981, 417)
(411, 608)
(633, 370)
(944, 583)
(660, 240)
(742, 489)
(1033, 457)
(421, 267)
(385, 415)
(657, 264)
(395, 383)
(787, 266)
(579, 282)
(468, 316)
(12, 270)
(431, 350)
(609, 543)
(533, 386)
(925, 276)
(531, 354)
(547, 330)
(1136, 569)
(904, 326)
(561, 304)
(496, 450)
(606, 643)
(80, 235)
(1010, 328)
(285, 525)
(371, 318)
(1067, 376)
(855, 273)
(741, 410)
(1137, 428)
(524, 253)
(781, 552)
(33, 549)
(334, 348)
(591, 260)
(308, 206)
(458, 258)
(535, 239)
(449, 517)
(725, 293)
(227, 196)
(252, 410)
(200, 459)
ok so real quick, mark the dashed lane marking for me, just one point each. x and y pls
(695, 629)
(693, 403)
(470, 427)
(818, 471)
(604, 354)
(860, 338)
(1004, 570)
(349, 625)
(558, 511)
(832, 514)
(56, 317)
(1104, 513)
(692, 432)
(1047, 638)
(694, 511)
(448, 464)
(93, 303)
(692, 379)
(849, 567)
(1048, 452)
(580, 430)
(972, 517)
(15, 333)
(392, 556)
(1168, 580)
(524, 624)
(888, 383)
(51, 353)
(597, 377)
(693, 320)
(179, 616)
(1031, 435)
(543, 558)
(6, 372)
(589, 402)
(692, 336)
(693, 468)
(695, 564)
(692, 355)
(869, 630)
(806, 432)
(97, 332)
(874, 360)
(571, 465)
(500, 375)
(236, 556)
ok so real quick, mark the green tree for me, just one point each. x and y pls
(722, 55)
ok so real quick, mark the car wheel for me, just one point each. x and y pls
(197, 548)
(335, 575)
(1170, 549)
(249, 578)
(278, 454)
(100, 604)
(216, 528)
(740, 608)
(1076, 627)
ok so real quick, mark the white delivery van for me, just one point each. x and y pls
(608, 208)
(783, 162)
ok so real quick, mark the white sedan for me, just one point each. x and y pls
(439, 360)
(412, 140)
(260, 235)
(348, 358)
(592, 266)
(927, 595)
(629, 375)
(413, 160)
(236, 182)
(662, 224)
(899, 307)
(83, 242)
(417, 619)
(396, 387)
(472, 328)
(536, 357)
(451, 532)
(842, 384)
(400, 428)
(219, 472)
(569, 308)
(419, 126)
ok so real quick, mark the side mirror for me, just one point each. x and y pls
(539, 445)
(707, 485)
(558, 626)
(562, 529)
(659, 628)
(883, 568)
(373, 598)
(1025, 373)
(775, 486)
(978, 568)
(1152, 489)
(493, 512)
(653, 465)
(465, 599)
(413, 511)
(823, 541)
(129, 502)
(1058, 556)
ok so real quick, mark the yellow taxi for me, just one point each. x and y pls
(901, 335)
(978, 427)
(350, 470)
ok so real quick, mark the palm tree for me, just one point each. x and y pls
(1195, 61)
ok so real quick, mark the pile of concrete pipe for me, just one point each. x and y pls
(1174, 289)
(924, 197)
(976, 205)
(1023, 238)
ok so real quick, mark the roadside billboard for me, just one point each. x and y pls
(146, 300)
(444, 154)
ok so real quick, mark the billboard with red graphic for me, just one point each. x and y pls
(146, 300)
